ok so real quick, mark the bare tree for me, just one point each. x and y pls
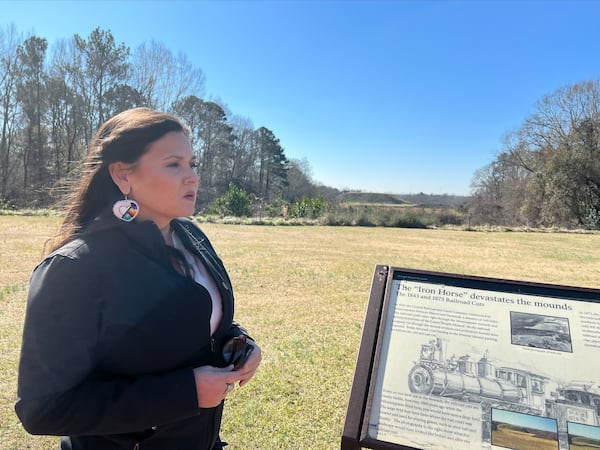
(245, 156)
(66, 110)
(9, 111)
(49, 111)
(162, 78)
(548, 171)
(497, 192)
(100, 65)
(299, 182)
(31, 95)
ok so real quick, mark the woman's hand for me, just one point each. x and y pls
(213, 384)
(247, 371)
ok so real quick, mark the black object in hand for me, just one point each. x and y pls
(236, 351)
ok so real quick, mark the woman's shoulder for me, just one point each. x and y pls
(80, 246)
(84, 254)
(83, 258)
(71, 249)
(65, 264)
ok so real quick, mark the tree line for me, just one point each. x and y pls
(547, 173)
(53, 99)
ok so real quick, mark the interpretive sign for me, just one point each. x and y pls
(449, 361)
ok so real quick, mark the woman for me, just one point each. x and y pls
(128, 316)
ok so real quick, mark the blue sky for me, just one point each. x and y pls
(385, 96)
(524, 420)
(584, 430)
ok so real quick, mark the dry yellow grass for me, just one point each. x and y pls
(302, 293)
(521, 440)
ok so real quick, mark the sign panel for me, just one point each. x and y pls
(449, 361)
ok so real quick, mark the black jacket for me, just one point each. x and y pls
(112, 334)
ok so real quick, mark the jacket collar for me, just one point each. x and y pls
(196, 242)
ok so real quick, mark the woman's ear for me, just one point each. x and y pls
(119, 172)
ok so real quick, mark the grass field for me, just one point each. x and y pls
(512, 437)
(302, 293)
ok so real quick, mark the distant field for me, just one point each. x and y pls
(302, 292)
(581, 443)
(365, 198)
(509, 437)
(372, 199)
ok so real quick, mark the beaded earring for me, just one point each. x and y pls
(126, 210)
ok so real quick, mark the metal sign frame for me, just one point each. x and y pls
(355, 433)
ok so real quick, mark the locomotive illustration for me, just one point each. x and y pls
(508, 388)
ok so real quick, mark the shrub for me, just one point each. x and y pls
(234, 202)
(592, 220)
(308, 207)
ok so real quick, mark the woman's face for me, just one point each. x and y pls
(164, 180)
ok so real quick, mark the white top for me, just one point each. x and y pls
(203, 278)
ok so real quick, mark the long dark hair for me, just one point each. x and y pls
(123, 138)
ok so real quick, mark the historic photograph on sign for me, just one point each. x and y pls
(536, 330)
(583, 437)
(478, 369)
(523, 431)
